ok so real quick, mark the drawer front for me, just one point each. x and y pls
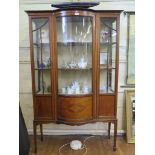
(106, 106)
(74, 109)
(43, 107)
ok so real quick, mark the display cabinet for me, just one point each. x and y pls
(74, 63)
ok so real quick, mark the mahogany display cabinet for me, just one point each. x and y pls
(74, 63)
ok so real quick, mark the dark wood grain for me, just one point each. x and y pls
(106, 105)
(43, 107)
(117, 62)
(75, 109)
(53, 63)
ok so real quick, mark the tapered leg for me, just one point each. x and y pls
(34, 136)
(41, 132)
(109, 127)
(115, 134)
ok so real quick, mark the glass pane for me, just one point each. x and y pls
(74, 42)
(103, 81)
(42, 82)
(111, 81)
(107, 54)
(41, 52)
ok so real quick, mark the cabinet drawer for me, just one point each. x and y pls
(43, 107)
(74, 109)
(106, 106)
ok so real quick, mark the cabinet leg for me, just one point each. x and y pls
(115, 135)
(109, 127)
(41, 131)
(34, 137)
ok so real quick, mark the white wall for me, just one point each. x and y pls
(25, 89)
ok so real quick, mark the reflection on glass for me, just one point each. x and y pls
(74, 43)
(107, 54)
(41, 52)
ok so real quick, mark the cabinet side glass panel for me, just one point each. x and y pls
(41, 53)
(107, 54)
(74, 44)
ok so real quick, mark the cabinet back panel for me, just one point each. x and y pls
(106, 105)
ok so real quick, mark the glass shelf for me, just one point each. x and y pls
(104, 66)
(73, 43)
(74, 94)
(78, 69)
(41, 92)
(41, 44)
(107, 44)
(43, 69)
(105, 90)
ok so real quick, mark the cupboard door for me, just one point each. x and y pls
(106, 106)
(107, 56)
(41, 55)
(43, 107)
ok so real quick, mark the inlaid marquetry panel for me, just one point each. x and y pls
(74, 109)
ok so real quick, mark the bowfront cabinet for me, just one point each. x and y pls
(74, 63)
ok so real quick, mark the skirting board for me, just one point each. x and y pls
(76, 132)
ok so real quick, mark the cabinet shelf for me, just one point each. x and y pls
(106, 92)
(41, 44)
(75, 69)
(107, 44)
(77, 95)
(73, 43)
(104, 66)
(41, 93)
(42, 69)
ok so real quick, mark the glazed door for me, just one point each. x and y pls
(41, 55)
(75, 67)
(107, 55)
(74, 49)
(41, 67)
(108, 64)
